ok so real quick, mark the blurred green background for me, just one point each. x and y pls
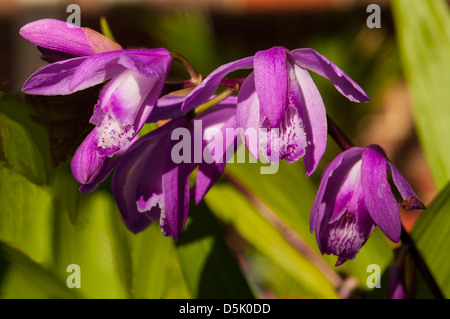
(250, 237)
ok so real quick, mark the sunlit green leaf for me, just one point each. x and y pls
(290, 194)
(98, 244)
(431, 233)
(26, 213)
(64, 191)
(24, 142)
(156, 272)
(210, 269)
(423, 29)
(21, 277)
(188, 33)
(234, 209)
(106, 30)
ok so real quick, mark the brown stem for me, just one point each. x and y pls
(195, 76)
(420, 262)
(231, 82)
(170, 87)
(336, 133)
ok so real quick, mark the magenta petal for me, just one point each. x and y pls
(57, 35)
(149, 189)
(96, 69)
(221, 120)
(103, 66)
(402, 184)
(137, 181)
(175, 185)
(207, 176)
(53, 79)
(313, 115)
(216, 122)
(380, 201)
(247, 110)
(124, 187)
(148, 106)
(149, 89)
(319, 205)
(248, 115)
(208, 86)
(69, 76)
(350, 192)
(124, 95)
(314, 61)
(86, 165)
(167, 107)
(405, 190)
(331, 182)
(350, 224)
(176, 198)
(106, 169)
(339, 216)
(271, 82)
(152, 63)
(104, 173)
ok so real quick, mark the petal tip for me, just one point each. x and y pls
(412, 203)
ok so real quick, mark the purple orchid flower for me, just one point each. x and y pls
(149, 185)
(354, 196)
(280, 94)
(58, 40)
(136, 78)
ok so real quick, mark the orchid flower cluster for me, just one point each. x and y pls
(357, 188)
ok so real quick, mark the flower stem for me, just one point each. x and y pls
(216, 100)
(232, 82)
(336, 133)
(418, 259)
(196, 78)
(177, 87)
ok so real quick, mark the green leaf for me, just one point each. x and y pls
(423, 30)
(98, 243)
(25, 215)
(64, 191)
(431, 234)
(234, 209)
(288, 192)
(209, 267)
(156, 271)
(147, 128)
(106, 30)
(188, 32)
(290, 195)
(21, 277)
(24, 142)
